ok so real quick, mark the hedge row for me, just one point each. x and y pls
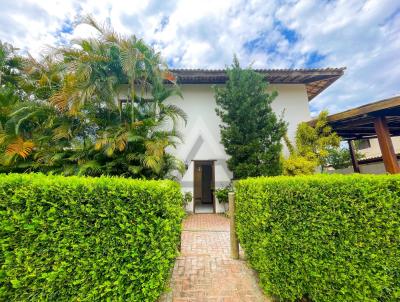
(323, 238)
(86, 239)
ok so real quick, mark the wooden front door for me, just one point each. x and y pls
(204, 184)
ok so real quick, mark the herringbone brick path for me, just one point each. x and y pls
(205, 271)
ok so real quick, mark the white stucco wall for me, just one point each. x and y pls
(375, 151)
(202, 136)
(372, 168)
(292, 100)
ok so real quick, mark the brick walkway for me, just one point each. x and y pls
(205, 271)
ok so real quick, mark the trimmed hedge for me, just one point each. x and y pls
(86, 239)
(322, 237)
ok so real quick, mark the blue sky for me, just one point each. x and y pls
(363, 36)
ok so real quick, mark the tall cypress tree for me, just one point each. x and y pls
(250, 131)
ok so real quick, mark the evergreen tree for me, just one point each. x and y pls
(250, 131)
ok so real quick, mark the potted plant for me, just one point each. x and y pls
(222, 196)
(187, 198)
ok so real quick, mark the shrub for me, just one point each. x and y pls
(311, 147)
(86, 239)
(298, 165)
(222, 194)
(323, 237)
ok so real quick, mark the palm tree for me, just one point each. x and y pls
(12, 144)
(98, 107)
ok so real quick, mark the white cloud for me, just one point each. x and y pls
(361, 35)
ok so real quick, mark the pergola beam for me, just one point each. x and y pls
(386, 145)
(357, 131)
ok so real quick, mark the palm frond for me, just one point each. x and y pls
(135, 169)
(20, 147)
(3, 136)
(91, 167)
(132, 156)
(174, 112)
(153, 162)
(62, 132)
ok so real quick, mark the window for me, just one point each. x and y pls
(364, 144)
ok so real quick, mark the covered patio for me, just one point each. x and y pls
(379, 120)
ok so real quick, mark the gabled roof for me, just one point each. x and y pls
(316, 80)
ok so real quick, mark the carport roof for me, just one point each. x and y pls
(358, 123)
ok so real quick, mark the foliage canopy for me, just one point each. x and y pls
(340, 158)
(312, 146)
(95, 107)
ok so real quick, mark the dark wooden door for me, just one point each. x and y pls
(206, 186)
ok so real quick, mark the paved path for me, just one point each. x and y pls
(205, 271)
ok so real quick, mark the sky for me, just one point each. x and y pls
(363, 36)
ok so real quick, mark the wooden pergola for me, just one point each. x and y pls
(375, 120)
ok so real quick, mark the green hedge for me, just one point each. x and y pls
(323, 238)
(86, 239)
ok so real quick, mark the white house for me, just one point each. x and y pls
(202, 151)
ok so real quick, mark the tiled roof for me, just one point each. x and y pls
(375, 159)
(315, 79)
